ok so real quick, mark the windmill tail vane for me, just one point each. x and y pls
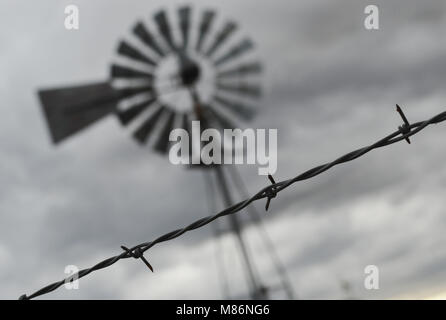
(69, 110)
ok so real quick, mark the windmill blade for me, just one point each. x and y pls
(131, 91)
(164, 28)
(234, 52)
(222, 36)
(206, 22)
(163, 142)
(241, 70)
(130, 52)
(247, 113)
(243, 88)
(128, 115)
(221, 120)
(186, 125)
(71, 109)
(146, 128)
(147, 38)
(118, 71)
(184, 16)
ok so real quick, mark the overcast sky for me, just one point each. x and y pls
(330, 87)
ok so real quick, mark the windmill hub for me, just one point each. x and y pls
(189, 71)
(175, 74)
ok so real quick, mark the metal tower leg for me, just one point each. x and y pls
(257, 290)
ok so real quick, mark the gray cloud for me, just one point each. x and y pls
(330, 87)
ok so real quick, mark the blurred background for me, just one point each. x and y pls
(330, 86)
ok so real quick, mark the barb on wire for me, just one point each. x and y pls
(402, 134)
(272, 193)
(137, 254)
(405, 128)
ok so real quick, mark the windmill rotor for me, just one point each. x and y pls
(189, 72)
(200, 54)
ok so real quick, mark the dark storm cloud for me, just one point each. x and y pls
(330, 87)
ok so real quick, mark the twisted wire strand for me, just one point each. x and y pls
(268, 192)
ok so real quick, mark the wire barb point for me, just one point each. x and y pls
(405, 128)
(271, 192)
(137, 254)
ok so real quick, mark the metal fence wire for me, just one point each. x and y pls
(269, 192)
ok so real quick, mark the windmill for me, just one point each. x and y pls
(164, 78)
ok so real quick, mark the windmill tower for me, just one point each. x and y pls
(165, 78)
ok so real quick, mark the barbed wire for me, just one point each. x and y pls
(403, 133)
